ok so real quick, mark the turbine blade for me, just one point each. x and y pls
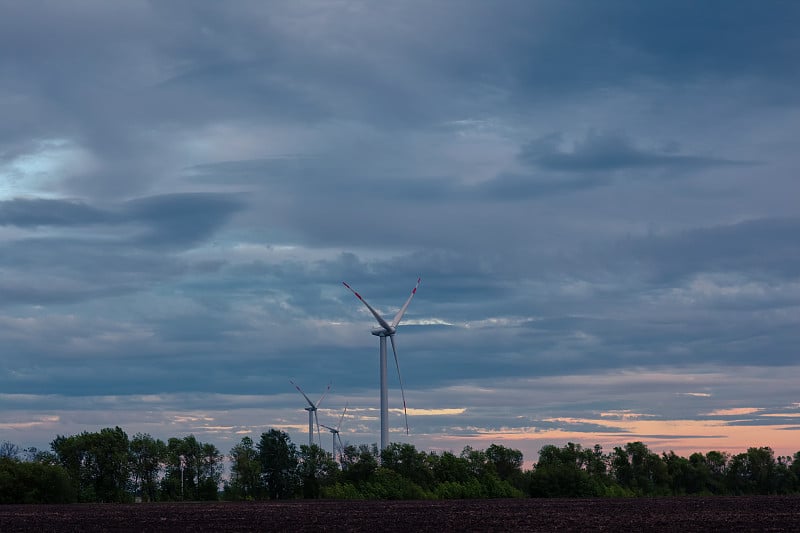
(328, 428)
(303, 393)
(385, 325)
(402, 392)
(323, 395)
(319, 436)
(341, 418)
(402, 310)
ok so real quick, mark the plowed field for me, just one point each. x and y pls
(643, 514)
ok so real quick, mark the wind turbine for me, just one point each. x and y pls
(335, 435)
(312, 413)
(387, 330)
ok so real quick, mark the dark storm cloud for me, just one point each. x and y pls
(292, 178)
(53, 270)
(608, 152)
(570, 51)
(181, 219)
(764, 248)
(248, 61)
(16, 292)
(121, 252)
(728, 39)
(49, 212)
(522, 187)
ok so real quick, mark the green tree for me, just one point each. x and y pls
(680, 473)
(477, 462)
(97, 464)
(718, 464)
(316, 469)
(794, 472)
(507, 462)
(448, 468)
(785, 478)
(409, 463)
(73, 456)
(452, 477)
(278, 456)
(387, 484)
(571, 471)
(752, 472)
(637, 469)
(359, 464)
(245, 471)
(178, 481)
(110, 449)
(209, 472)
(180, 478)
(699, 479)
(596, 464)
(147, 457)
(193, 470)
(483, 470)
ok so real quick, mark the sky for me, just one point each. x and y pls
(601, 199)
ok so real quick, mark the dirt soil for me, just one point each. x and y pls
(763, 513)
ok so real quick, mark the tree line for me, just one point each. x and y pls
(108, 466)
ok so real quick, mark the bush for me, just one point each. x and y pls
(33, 483)
(449, 490)
(561, 481)
(342, 491)
(389, 485)
(495, 488)
(615, 491)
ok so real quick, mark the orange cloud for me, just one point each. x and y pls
(736, 411)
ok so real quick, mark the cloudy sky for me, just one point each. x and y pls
(601, 199)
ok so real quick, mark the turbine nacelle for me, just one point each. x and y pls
(382, 332)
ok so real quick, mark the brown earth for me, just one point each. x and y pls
(762, 513)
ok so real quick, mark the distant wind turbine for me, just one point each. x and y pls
(387, 330)
(312, 413)
(335, 435)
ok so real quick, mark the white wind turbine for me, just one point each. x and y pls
(387, 330)
(312, 413)
(335, 435)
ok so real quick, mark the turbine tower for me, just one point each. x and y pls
(387, 330)
(312, 413)
(335, 435)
